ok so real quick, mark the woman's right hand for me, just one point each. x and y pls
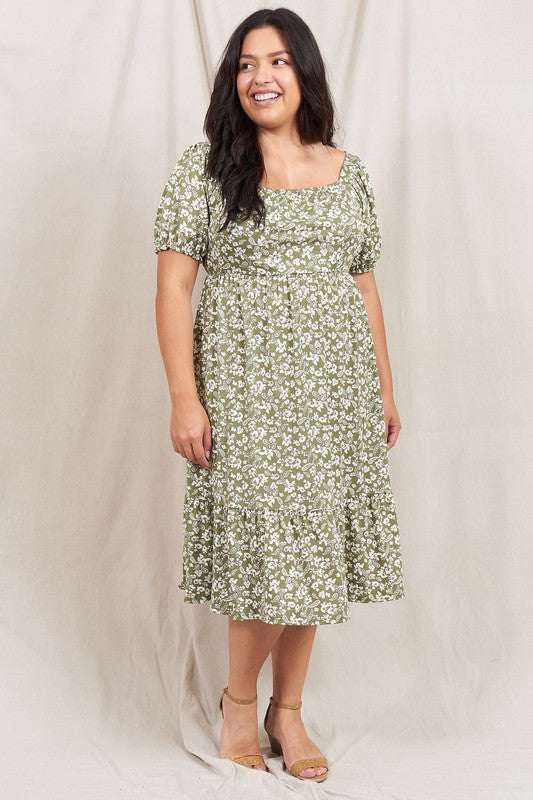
(190, 431)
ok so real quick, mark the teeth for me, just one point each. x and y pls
(266, 96)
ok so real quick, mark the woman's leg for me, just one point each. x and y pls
(250, 642)
(290, 658)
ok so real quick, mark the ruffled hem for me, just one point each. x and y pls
(294, 620)
(293, 566)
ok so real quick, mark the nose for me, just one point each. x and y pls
(263, 75)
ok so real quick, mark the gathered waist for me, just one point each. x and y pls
(253, 268)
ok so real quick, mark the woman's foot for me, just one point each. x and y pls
(239, 734)
(285, 724)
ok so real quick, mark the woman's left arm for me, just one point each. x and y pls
(369, 291)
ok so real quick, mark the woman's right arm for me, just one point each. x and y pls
(190, 428)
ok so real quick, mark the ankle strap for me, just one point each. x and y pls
(237, 700)
(296, 706)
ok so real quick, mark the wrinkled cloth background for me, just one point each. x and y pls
(109, 683)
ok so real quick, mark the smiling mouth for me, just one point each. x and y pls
(269, 98)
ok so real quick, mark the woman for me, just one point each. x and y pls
(282, 398)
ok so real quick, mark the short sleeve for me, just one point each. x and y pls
(370, 250)
(182, 217)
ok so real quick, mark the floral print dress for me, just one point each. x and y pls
(296, 518)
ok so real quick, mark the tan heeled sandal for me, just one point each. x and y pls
(249, 760)
(301, 763)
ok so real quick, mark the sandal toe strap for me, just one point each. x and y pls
(305, 763)
(249, 760)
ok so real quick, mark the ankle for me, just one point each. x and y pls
(283, 700)
(240, 696)
(284, 716)
(242, 693)
(288, 709)
(284, 719)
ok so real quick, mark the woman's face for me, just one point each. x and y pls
(265, 66)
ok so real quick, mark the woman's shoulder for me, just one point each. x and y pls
(201, 146)
(354, 160)
(356, 166)
(191, 160)
(197, 150)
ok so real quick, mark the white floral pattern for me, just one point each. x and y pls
(297, 517)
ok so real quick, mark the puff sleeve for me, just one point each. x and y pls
(370, 249)
(182, 217)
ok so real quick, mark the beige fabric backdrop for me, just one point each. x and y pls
(109, 683)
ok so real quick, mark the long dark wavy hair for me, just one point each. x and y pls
(235, 159)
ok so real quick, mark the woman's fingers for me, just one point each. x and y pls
(199, 452)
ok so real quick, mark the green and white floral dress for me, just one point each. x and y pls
(296, 518)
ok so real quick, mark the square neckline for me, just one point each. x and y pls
(311, 188)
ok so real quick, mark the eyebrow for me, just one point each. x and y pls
(275, 53)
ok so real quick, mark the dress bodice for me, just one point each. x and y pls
(333, 226)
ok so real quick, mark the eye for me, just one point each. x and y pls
(246, 63)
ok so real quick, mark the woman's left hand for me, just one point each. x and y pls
(392, 421)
